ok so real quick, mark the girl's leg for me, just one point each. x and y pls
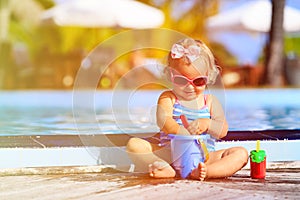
(222, 163)
(141, 153)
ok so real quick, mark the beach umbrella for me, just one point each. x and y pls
(253, 16)
(104, 13)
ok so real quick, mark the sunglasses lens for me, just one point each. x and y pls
(200, 81)
(180, 80)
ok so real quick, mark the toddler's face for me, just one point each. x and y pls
(189, 91)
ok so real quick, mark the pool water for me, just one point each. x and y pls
(53, 112)
(265, 118)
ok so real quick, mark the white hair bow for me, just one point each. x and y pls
(192, 52)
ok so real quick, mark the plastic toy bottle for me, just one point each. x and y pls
(258, 162)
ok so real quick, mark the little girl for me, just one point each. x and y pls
(191, 66)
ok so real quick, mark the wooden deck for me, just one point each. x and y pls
(101, 183)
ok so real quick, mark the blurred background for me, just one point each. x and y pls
(43, 43)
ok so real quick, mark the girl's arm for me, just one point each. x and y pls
(218, 126)
(164, 113)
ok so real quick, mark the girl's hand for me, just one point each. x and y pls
(198, 126)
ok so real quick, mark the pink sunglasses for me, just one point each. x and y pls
(183, 81)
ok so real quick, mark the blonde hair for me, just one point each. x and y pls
(205, 55)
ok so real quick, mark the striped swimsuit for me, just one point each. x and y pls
(191, 115)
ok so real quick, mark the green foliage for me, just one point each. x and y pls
(46, 3)
(292, 44)
(25, 28)
(224, 58)
(73, 38)
(192, 21)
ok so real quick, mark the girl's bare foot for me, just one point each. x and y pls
(200, 172)
(160, 169)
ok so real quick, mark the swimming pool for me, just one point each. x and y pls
(53, 112)
(48, 128)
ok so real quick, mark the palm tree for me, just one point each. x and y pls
(274, 54)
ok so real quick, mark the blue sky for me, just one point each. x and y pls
(227, 4)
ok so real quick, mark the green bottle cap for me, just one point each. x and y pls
(257, 156)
